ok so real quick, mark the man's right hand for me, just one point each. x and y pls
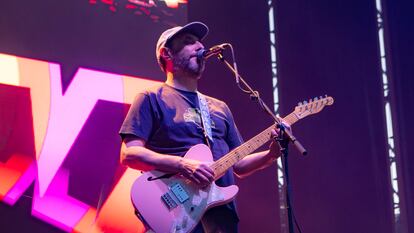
(135, 155)
(198, 172)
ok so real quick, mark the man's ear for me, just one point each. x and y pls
(165, 53)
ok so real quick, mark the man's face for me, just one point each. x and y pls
(184, 49)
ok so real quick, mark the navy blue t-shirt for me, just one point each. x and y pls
(168, 120)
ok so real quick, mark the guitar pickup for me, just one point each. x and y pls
(179, 193)
(169, 201)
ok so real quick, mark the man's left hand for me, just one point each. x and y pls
(275, 134)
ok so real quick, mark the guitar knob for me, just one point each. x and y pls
(185, 221)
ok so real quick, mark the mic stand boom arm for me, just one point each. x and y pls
(255, 95)
(286, 136)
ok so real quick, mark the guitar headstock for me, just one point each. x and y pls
(312, 106)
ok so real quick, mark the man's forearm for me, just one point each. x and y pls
(253, 162)
(141, 158)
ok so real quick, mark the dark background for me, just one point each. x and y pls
(401, 42)
(323, 47)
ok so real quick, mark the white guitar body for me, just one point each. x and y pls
(175, 204)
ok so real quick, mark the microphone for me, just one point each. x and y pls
(216, 49)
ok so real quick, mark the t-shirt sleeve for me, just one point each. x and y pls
(233, 139)
(139, 119)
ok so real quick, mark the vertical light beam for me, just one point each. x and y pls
(281, 184)
(392, 156)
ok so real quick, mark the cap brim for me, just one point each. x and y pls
(199, 29)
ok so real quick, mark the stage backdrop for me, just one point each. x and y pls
(69, 69)
(401, 36)
(332, 47)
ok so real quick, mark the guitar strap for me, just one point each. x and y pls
(205, 118)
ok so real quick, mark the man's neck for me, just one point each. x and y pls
(182, 82)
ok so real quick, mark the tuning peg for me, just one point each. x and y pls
(315, 99)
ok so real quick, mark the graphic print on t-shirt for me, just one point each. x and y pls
(192, 115)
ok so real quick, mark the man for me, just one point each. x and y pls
(165, 121)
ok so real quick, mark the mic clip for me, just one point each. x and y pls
(217, 49)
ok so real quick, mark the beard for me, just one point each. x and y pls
(190, 66)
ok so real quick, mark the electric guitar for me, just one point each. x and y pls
(169, 203)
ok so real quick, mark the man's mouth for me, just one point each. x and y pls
(197, 59)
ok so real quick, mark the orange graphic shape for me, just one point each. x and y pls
(11, 171)
(117, 213)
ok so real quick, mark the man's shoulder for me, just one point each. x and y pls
(216, 102)
(153, 90)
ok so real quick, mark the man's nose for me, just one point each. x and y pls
(199, 45)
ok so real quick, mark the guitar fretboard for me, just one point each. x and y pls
(224, 163)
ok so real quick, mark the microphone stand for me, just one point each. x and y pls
(284, 138)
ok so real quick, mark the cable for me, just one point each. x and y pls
(236, 72)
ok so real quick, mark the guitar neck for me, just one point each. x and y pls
(224, 163)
